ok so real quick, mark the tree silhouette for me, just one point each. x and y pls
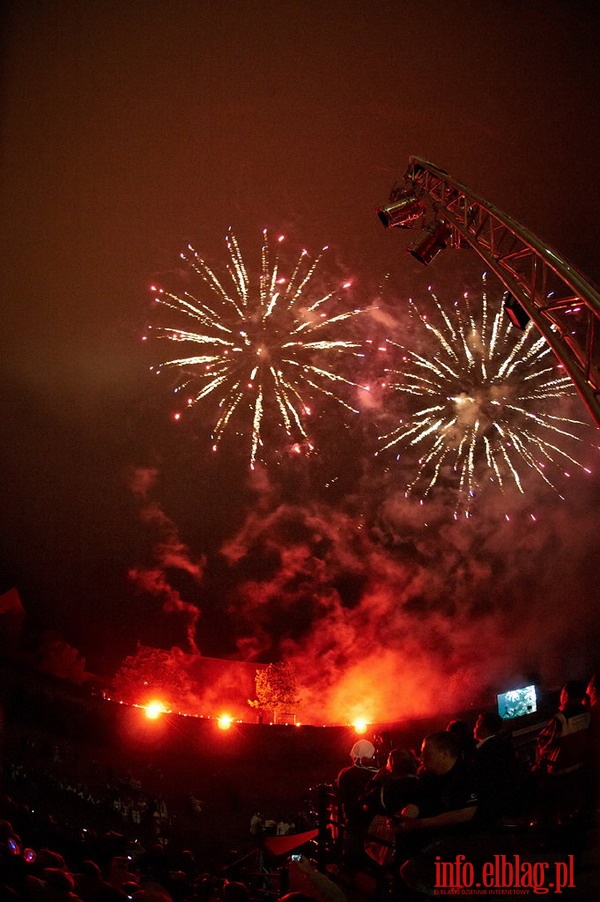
(276, 690)
(152, 673)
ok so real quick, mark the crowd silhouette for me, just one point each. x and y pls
(73, 827)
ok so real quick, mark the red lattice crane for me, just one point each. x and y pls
(541, 285)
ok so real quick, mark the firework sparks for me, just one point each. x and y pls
(486, 403)
(261, 348)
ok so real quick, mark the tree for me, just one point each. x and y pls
(276, 690)
(152, 673)
(59, 659)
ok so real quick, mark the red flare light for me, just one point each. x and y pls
(154, 709)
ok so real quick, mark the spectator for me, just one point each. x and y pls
(391, 790)
(234, 891)
(353, 780)
(58, 886)
(92, 887)
(563, 754)
(351, 783)
(119, 873)
(394, 785)
(448, 805)
(449, 798)
(152, 892)
(256, 824)
(496, 771)
(593, 693)
(466, 740)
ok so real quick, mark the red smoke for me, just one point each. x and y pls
(400, 612)
(404, 618)
(168, 553)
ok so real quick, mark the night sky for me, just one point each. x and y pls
(132, 128)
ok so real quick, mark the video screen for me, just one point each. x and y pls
(517, 702)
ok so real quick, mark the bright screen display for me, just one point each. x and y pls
(517, 702)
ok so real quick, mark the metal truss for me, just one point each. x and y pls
(557, 297)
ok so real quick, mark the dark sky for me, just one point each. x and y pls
(129, 129)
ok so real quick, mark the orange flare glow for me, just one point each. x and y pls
(154, 709)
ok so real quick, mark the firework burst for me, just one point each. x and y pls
(264, 351)
(486, 404)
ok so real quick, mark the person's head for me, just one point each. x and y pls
(152, 892)
(58, 879)
(572, 693)
(462, 731)
(47, 858)
(488, 724)
(593, 688)
(90, 871)
(233, 891)
(439, 752)
(401, 762)
(362, 752)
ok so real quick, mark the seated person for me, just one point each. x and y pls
(449, 805)
(563, 745)
(467, 742)
(496, 770)
(593, 693)
(449, 797)
(395, 789)
(351, 783)
(394, 786)
(563, 756)
(352, 780)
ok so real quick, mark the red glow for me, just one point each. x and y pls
(154, 709)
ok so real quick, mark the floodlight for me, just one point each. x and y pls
(434, 238)
(402, 213)
(515, 312)
(360, 726)
(154, 709)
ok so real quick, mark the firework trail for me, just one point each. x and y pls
(261, 349)
(486, 405)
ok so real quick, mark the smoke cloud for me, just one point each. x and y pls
(168, 553)
(414, 612)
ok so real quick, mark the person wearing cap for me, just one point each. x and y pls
(351, 783)
(352, 780)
